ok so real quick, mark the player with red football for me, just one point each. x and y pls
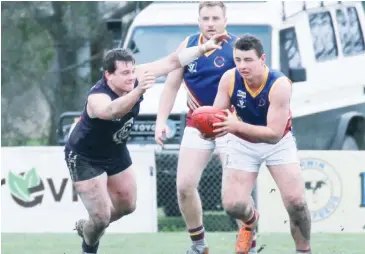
(262, 129)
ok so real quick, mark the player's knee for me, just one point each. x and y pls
(236, 209)
(101, 218)
(294, 200)
(128, 207)
(296, 206)
(185, 189)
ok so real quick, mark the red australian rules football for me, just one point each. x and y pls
(203, 119)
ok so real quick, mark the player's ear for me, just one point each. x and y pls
(107, 75)
(199, 24)
(263, 59)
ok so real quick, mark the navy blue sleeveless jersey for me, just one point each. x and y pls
(99, 139)
(202, 76)
(252, 107)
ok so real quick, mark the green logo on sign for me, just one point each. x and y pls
(20, 185)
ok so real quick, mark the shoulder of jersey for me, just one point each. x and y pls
(98, 85)
(196, 35)
(276, 73)
(233, 39)
(233, 36)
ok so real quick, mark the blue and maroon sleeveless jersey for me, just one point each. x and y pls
(202, 76)
(252, 106)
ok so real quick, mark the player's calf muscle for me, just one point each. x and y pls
(300, 217)
(100, 217)
(99, 211)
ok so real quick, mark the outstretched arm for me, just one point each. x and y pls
(177, 60)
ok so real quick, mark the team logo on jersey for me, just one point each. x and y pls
(122, 134)
(219, 61)
(192, 67)
(241, 94)
(241, 98)
(262, 102)
(323, 188)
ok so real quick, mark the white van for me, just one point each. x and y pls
(319, 46)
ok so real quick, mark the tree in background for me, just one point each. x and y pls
(51, 55)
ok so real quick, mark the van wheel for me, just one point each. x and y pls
(350, 144)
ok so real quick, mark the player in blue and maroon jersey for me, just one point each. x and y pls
(262, 132)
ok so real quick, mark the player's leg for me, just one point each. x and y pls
(194, 156)
(122, 187)
(90, 182)
(284, 167)
(239, 178)
(221, 148)
(290, 183)
(95, 197)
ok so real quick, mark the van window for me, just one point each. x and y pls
(350, 31)
(323, 36)
(150, 43)
(289, 50)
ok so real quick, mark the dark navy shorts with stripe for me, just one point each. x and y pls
(83, 168)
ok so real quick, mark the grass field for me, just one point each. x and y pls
(174, 243)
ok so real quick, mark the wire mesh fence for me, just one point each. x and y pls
(170, 218)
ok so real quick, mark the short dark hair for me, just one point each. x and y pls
(117, 54)
(221, 4)
(249, 42)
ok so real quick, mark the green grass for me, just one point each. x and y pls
(171, 243)
(213, 221)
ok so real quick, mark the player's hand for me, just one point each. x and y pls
(229, 124)
(147, 81)
(213, 42)
(161, 132)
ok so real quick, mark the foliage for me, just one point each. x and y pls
(51, 55)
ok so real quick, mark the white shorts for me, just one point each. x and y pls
(244, 155)
(192, 139)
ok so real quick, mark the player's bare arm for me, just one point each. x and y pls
(171, 87)
(167, 100)
(222, 99)
(177, 60)
(168, 97)
(101, 106)
(277, 118)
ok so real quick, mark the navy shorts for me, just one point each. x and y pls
(84, 168)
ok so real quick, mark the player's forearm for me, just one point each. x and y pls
(188, 55)
(171, 62)
(221, 103)
(166, 103)
(184, 57)
(123, 105)
(257, 133)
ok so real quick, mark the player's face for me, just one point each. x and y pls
(212, 21)
(248, 63)
(123, 78)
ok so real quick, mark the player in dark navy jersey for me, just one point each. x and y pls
(261, 128)
(96, 151)
(201, 79)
